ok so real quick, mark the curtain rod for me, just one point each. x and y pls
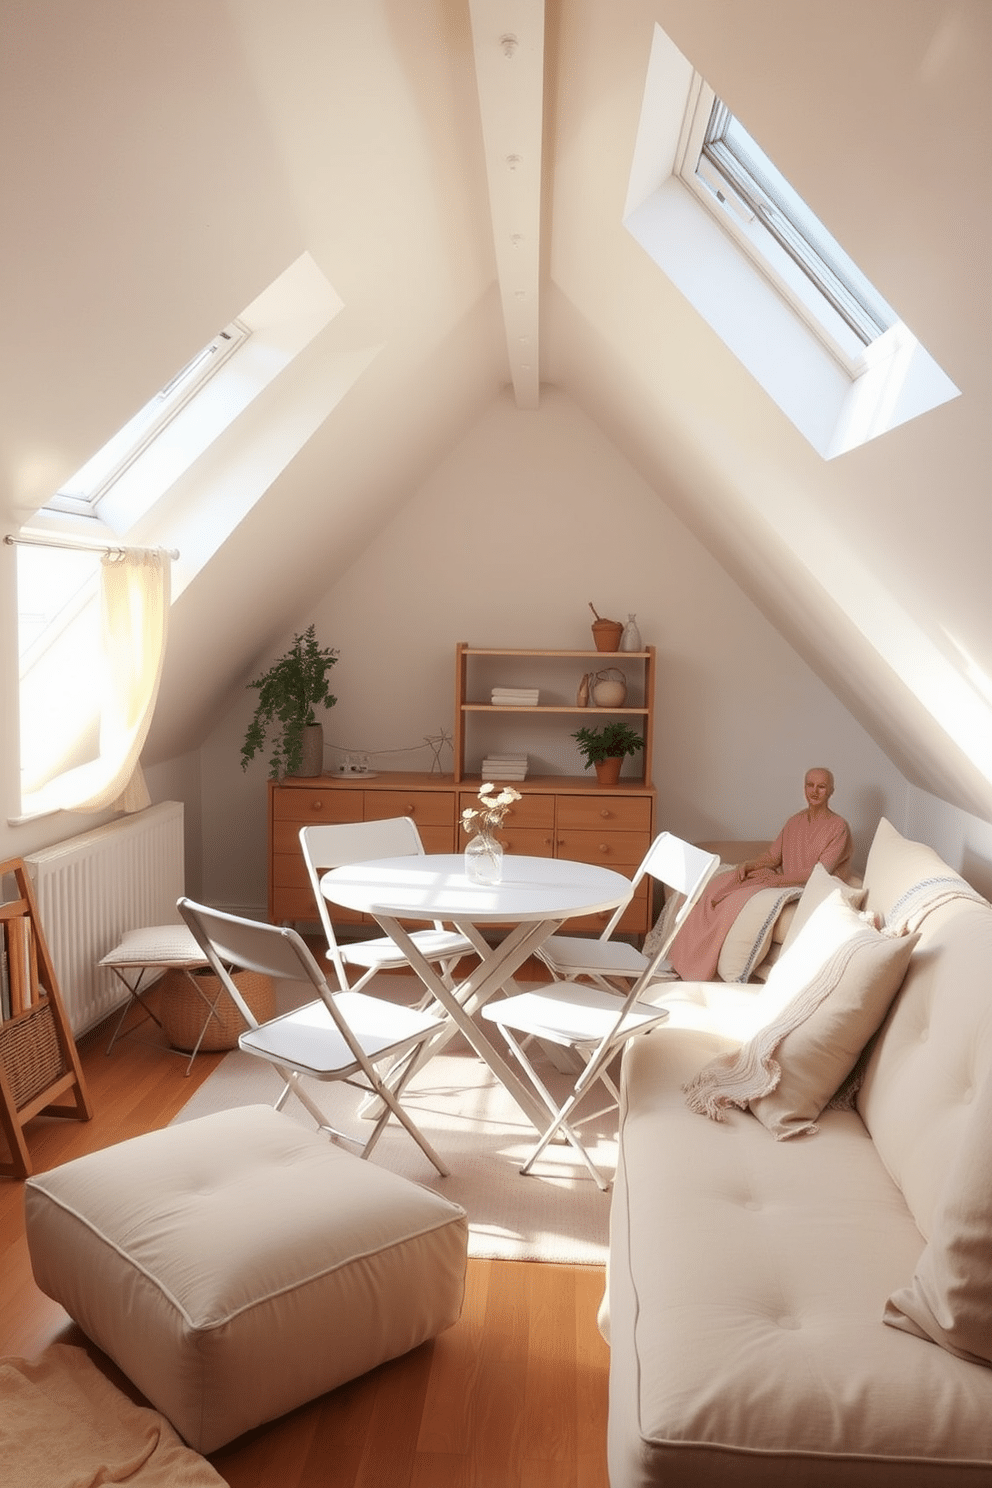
(30, 540)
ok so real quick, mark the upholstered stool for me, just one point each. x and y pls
(196, 1011)
(236, 1266)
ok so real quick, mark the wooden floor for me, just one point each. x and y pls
(513, 1394)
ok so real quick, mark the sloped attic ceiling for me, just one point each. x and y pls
(173, 161)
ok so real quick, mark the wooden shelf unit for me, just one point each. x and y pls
(38, 1058)
(564, 816)
(566, 668)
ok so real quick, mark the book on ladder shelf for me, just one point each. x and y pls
(38, 1058)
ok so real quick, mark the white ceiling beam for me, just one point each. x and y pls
(508, 40)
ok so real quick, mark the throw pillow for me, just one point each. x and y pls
(949, 1299)
(824, 999)
(747, 941)
(819, 886)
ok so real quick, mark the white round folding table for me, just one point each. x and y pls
(534, 898)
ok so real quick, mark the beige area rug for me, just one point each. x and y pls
(64, 1425)
(557, 1213)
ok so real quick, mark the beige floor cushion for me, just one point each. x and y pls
(239, 1265)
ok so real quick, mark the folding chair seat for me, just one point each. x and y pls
(339, 1036)
(595, 1021)
(335, 845)
(614, 964)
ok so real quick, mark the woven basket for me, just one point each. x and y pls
(183, 1010)
(31, 1054)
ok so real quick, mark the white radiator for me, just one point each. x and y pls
(92, 888)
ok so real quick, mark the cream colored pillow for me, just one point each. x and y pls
(747, 941)
(949, 1300)
(816, 1057)
(824, 999)
(819, 886)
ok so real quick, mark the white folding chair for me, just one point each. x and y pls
(336, 844)
(614, 964)
(339, 1036)
(595, 1021)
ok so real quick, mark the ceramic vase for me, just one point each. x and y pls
(312, 762)
(484, 859)
(631, 638)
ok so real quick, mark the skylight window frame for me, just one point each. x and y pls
(151, 419)
(799, 258)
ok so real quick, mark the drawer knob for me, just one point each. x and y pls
(606, 813)
(317, 804)
(604, 848)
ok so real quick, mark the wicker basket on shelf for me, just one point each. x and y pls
(183, 1010)
(30, 1053)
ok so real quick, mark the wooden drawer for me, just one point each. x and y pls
(621, 851)
(635, 919)
(623, 813)
(440, 839)
(529, 811)
(297, 904)
(428, 808)
(531, 842)
(305, 806)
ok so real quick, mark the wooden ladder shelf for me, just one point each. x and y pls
(38, 1058)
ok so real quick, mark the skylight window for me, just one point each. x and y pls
(82, 493)
(771, 214)
(710, 208)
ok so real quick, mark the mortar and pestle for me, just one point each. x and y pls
(605, 633)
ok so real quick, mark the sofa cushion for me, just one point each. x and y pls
(747, 1281)
(895, 865)
(949, 1299)
(824, 999)
(935, 1045)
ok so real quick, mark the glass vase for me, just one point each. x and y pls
(484, 859)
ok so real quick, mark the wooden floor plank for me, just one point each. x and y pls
(446, 1428)
(551, 1420)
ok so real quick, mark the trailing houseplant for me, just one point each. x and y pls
(288, 695)
(612, 741)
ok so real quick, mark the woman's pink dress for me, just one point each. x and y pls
(799, 846)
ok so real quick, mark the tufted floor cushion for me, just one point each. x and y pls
(239, 1265)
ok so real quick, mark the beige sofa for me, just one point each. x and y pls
(814, 1309)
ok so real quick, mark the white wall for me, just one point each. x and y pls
(527, 519)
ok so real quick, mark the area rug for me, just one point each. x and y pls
(64, 1425)
(556, 1213)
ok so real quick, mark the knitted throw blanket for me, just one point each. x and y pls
(746, 1074)
(912, 908)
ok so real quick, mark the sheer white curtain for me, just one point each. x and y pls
(134, 610)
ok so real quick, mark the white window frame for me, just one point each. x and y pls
(837, 392)
(83, 493)
(790, 247)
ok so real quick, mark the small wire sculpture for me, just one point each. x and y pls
(437, 743)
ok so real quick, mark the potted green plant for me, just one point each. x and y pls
(288, 694)
(606, 748)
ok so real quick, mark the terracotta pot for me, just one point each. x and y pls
(608, 770)
(606, 634)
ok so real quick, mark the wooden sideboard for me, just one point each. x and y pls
(557, 816)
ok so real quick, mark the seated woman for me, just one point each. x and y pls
(816, 835)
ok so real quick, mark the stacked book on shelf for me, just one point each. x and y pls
(515, 697)
(504, 767)
(18, 967)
